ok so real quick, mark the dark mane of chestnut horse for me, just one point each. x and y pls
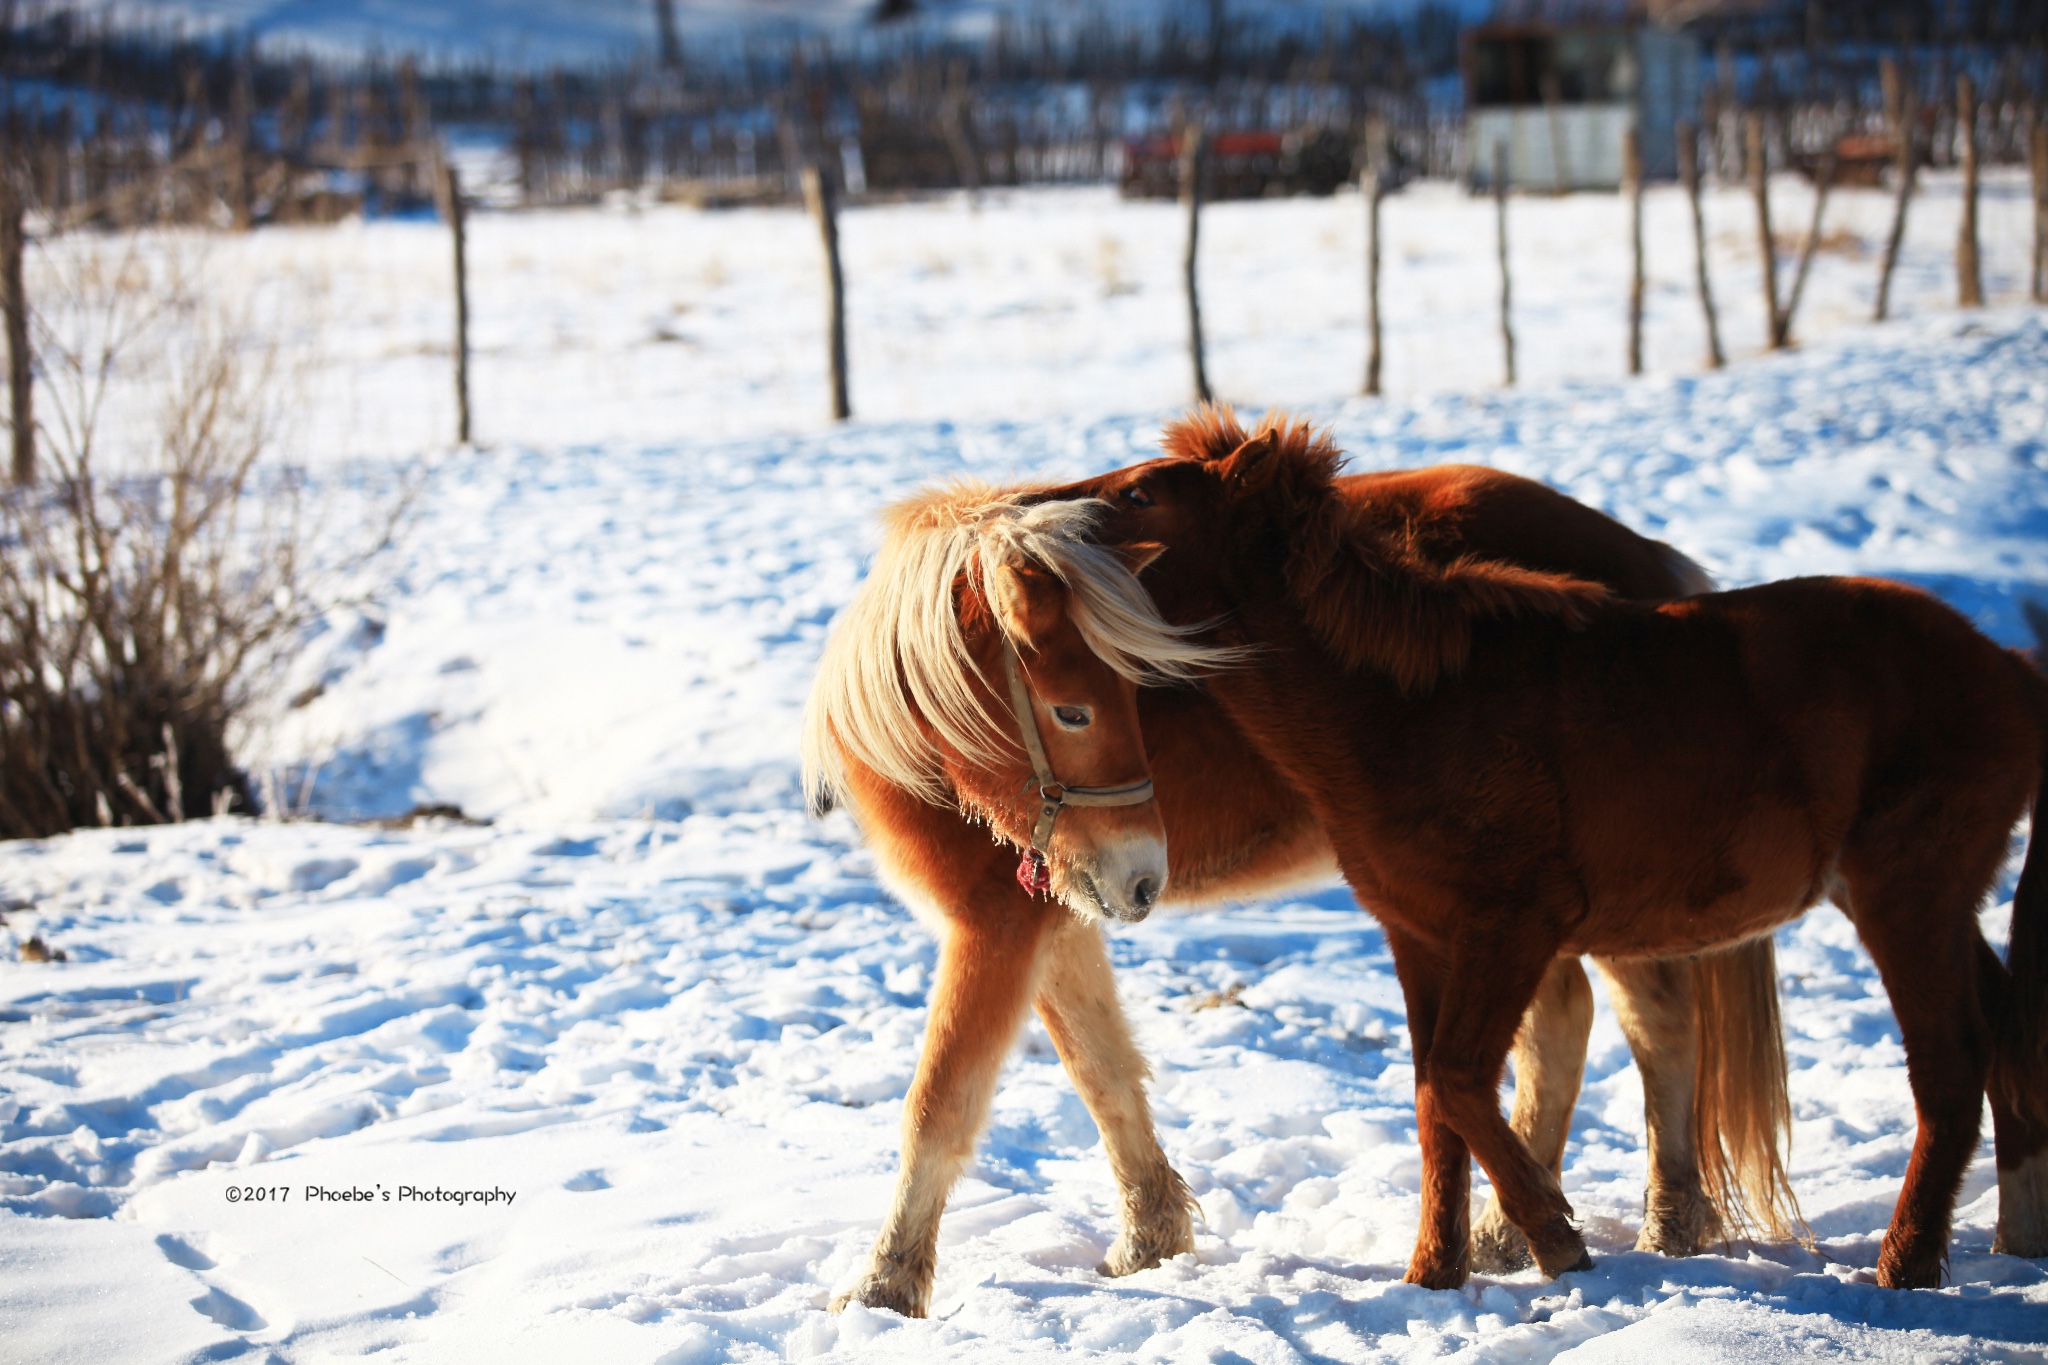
(1389, 591)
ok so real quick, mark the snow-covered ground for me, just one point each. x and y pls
(658, 325)
(673, 1019)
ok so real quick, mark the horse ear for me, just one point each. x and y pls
(1252, 465)
(1028, 600)
(1138, 555)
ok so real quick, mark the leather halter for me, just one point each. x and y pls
(1053, 795)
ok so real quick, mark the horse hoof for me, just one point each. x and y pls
(2030, 1244)
(1892, 1275)
(1585, 1262)
(1677, 1223)
(1498, 1246)
(1561, 1252)
(1142, 1248)
(1157, 1225)
(1436, 1273)
(1128, 1255)
(874, 1291)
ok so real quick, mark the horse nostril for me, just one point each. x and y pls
(1144, 893)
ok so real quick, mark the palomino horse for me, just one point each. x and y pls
(922, 639)
(1511, 765)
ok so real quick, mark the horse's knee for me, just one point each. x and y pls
(1464, 1100)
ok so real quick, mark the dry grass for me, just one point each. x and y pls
(154, 569)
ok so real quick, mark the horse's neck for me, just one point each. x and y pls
(1234, 825)
(1288, 684)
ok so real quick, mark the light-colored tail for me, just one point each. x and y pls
(1742, 1116)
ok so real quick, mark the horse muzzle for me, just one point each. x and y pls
(1122, 881)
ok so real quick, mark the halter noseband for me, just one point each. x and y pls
(1053, 795)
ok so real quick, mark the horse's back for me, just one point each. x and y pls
(1727, 752)
(1934, 694)
(1453, 510)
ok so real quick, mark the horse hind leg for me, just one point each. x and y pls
(1077, 1000)
(1922, 938)
(2018, 1124)
(1656, 1004)
(1550, 1063)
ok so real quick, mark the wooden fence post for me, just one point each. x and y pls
(818, 198)
(20, 362)
(1500, 231)
(670, 46)
(2038, 148)
(1899, 102)
(1632, 185)
(1689, 173)
(1760, 188)
(953, 122)
(1823, 182)
(451, 205)
(1969, 267)
(1192, 162)
(1373, 181)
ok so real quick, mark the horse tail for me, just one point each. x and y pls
(1742, 1115)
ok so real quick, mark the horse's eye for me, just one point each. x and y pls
(1136, 496)
(1071, 717)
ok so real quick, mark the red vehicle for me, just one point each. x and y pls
(1241, 163)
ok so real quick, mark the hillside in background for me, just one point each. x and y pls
(547, 32)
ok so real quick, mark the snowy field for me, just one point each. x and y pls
(646, 326)
(654, 1025)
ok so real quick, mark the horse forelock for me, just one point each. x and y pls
(1212, 433)
(898, 683)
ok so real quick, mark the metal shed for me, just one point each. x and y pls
(1559, 98)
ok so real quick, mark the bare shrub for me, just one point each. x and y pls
(154, 571)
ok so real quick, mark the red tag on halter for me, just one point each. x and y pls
(1032, 873)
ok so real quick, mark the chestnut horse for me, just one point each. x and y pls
(1235, 830)
(1513, 764)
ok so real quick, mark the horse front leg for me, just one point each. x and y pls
(988, 965)
(1550, 1064)
(1494, 972)
(1077, 1000)
(1441, 1258)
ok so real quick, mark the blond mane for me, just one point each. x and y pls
(898, 662)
